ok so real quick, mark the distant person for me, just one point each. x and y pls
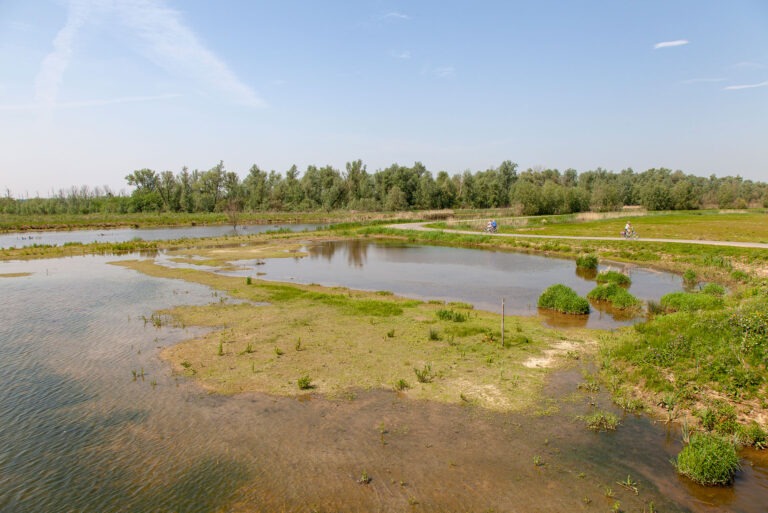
(628, 229)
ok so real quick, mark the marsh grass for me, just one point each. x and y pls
(614, 277)
(564, 299)
(600, 420)
(451, 315)
(588, 261)
(708, 460)
(616, 296)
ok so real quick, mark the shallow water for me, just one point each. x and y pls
(79, 433)
(480, 277)
(59, 238)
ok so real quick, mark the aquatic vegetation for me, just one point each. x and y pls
(713, 289)
(601, 421)
(708, 460)
(562, 298)
(689, 277)
(614, 277)
(614, 294)
(588, 261)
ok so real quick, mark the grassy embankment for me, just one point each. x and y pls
(337, 340)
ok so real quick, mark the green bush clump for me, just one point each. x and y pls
(563, 299)
(615, 295)
(708, 459)
(587, 262)
(713, 289)
(614, 277)
(689, 302)
(450, 315)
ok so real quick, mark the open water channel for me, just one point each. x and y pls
(92, 420)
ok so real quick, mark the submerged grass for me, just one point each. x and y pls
(352, 339)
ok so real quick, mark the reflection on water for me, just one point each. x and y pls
(59, 238)
(91, 420)
(479, 277)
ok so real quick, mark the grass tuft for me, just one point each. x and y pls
(708, 460)
(563, 299)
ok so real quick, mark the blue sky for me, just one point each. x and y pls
(91, 90)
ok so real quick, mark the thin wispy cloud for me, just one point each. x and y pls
(175, 46)
(168, 42)
(90, 103)
(445, 72)
(396, 15)
(405, 55)
(746, 86)
(57, 61)
(670, 44)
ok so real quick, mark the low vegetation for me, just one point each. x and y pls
(564, 299)
(689, 302)
(353, 339)
(616, 296)
(587, 261)
(614, 277)
(708, 460)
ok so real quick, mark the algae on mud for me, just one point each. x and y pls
(344, 339)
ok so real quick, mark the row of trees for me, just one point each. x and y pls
(530, 192)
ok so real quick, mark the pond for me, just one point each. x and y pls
(59, 238)
(480, 277)
(92, 420)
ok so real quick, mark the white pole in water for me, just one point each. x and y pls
(502, 322)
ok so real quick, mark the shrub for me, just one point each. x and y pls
(689, 302)
(614, 277)
(563, 299)
(587, 262)
(615, 295)
(708, 459)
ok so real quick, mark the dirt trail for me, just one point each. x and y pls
(421, 227)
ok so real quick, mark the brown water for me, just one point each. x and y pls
(78, 432)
